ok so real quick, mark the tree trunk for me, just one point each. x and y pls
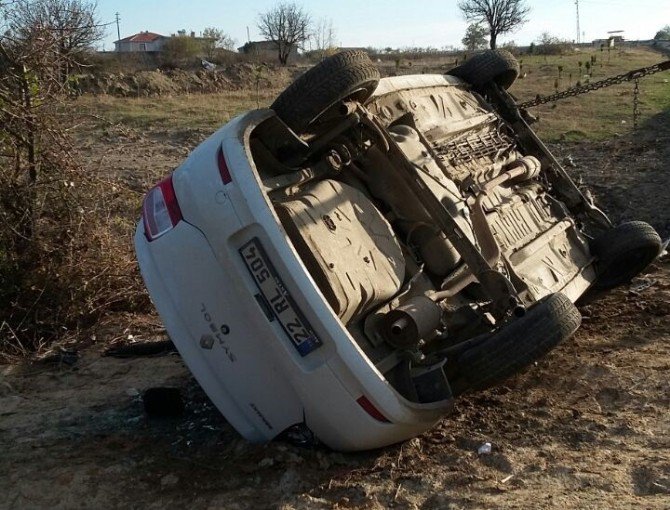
(492, 42)
(26, 229)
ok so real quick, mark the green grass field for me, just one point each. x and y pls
(597, 115)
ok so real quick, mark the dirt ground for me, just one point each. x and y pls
(587, 427)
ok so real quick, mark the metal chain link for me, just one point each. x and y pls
(607, 82)
(636, 103)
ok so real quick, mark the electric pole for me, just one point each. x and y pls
(578, 31)
(118, 31)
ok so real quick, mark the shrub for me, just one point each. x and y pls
(180, 50)
(550, 45)
(64, 259)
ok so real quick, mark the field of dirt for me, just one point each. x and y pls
(587, 427)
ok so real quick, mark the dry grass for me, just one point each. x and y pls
(194, 111)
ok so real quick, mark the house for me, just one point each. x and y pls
(142, 42)
(265, 50)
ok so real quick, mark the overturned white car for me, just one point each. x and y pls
(347, 262)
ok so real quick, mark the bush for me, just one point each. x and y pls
(76, 264)
(179, 51)
(65, 258)
(551, 45)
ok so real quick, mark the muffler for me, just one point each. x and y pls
(405, 326)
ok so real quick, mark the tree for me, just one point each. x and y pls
(179, 49)
(501, 16)
(71, 27)
(323, 36)
(475, 37)
(216, 38)
(663, 34)
(287, 25)
(548, 44)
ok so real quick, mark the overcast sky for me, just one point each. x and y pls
(382, 23)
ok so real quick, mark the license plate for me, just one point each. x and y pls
(280, 301)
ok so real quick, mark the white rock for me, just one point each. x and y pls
(484, 449)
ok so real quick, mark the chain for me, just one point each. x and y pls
(589, 87)
(636, 103)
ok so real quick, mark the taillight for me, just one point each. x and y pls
(223, 167)
(370, 408)
(160, 210)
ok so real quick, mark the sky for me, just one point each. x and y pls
(387, 23)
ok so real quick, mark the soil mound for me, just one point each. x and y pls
(159, 82)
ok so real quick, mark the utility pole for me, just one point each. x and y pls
(118, 31)
(248, 35)
(578, 31)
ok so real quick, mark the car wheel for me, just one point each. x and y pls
(623, 252)
(516, 345)
(498, 66)
(346, 75)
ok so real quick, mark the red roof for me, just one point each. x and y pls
(142, 37)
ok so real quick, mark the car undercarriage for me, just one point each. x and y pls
(432, 219)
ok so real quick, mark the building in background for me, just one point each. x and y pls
(142, 42)
(265, 50)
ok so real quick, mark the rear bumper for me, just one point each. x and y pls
(245, 362)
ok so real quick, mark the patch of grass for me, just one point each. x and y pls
(600, 114)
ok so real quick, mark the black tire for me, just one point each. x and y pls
(349, 74)
(624, 252)
(516, 345)
(498, 66)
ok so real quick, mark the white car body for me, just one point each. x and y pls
(252, 372)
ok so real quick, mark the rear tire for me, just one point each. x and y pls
(498, 66)
(346, 75)
(624, 252)
(516, 345)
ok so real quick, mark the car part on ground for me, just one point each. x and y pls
(351, 260)
(516, 345)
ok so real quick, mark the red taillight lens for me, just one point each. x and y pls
(160, 210)
(223, 167)
(369, 408)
